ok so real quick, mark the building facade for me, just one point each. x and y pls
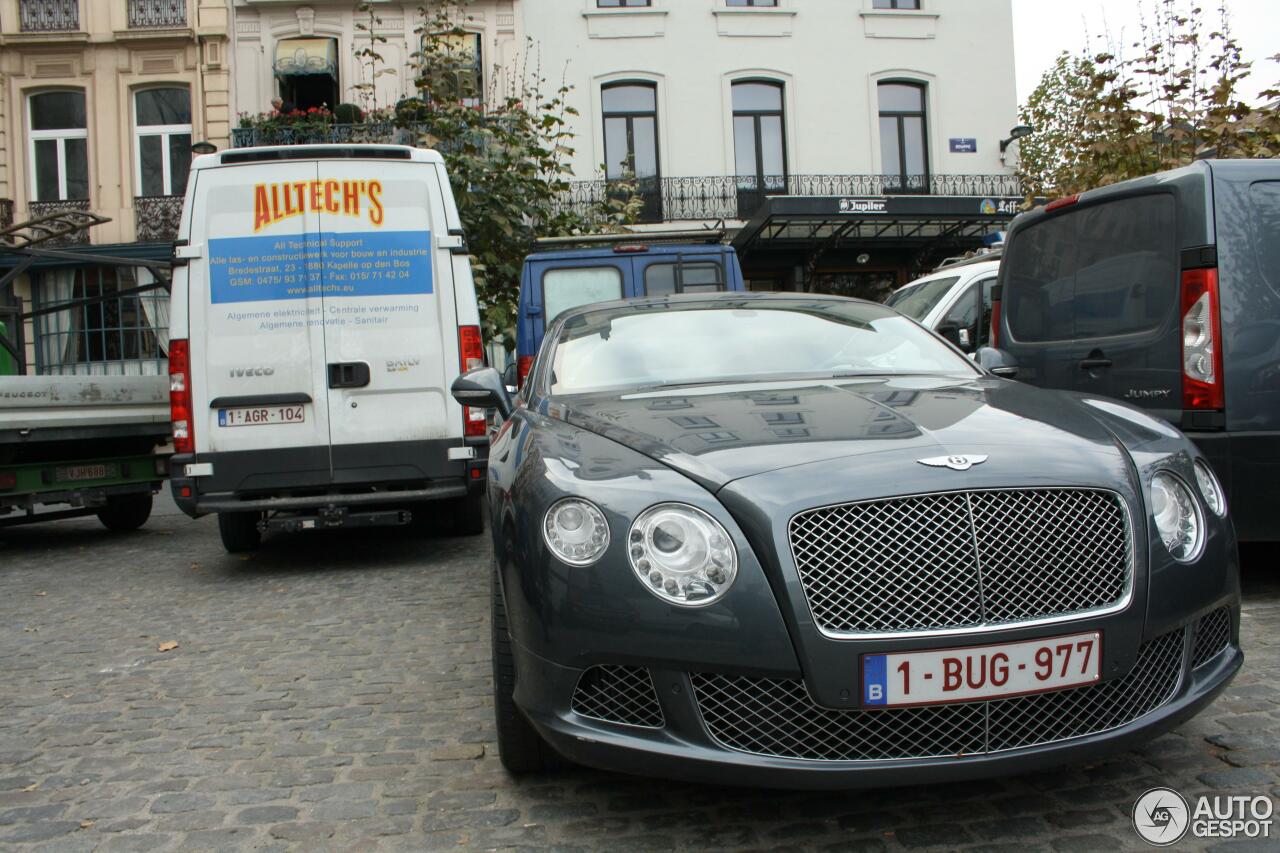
(100, 104)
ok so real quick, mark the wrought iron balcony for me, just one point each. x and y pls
(157, 14)
(156, 218)
(37, 16)
(730, 197)
(75, 238)
(6, 212)
(284, 134)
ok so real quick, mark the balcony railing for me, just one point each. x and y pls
(6, 212)
(75, 238)
(730, 197)
(156, 14)
(156, 218)
(375, 132)
(42, 16)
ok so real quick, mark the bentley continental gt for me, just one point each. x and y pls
(793, 540)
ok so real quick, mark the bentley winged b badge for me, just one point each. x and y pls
(956, 462)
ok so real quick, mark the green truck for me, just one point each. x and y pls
(82, 445)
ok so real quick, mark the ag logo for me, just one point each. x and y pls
(956, 462)
(1161, 817)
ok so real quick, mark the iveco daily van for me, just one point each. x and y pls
(322, 305)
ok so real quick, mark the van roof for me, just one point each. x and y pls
(276, 153)
(620, 250)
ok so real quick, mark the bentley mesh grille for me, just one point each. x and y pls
(776, 717)
(1213, 634)
(962, 559)
(618, 694)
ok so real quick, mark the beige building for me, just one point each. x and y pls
(100, 103)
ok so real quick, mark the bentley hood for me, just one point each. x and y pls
(723, 433)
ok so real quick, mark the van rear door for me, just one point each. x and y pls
(259, 358)
(391, 330)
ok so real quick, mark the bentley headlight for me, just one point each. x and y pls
(576, 531)
(1177, 516)
(1210, 488)
(682, 554)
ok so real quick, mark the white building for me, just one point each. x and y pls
(850, 143)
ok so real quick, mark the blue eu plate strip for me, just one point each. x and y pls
(874, 684)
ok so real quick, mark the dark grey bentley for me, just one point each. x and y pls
(798, 540)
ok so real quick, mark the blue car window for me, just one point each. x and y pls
(704, 277)
(570, 287)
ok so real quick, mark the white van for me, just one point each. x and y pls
(955, 300)
(322, 305)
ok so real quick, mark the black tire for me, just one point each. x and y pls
(239, 531)
(468, 515)
(520, 747)
(125, 512)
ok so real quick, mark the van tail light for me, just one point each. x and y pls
(524, 364)
(1065, 201)
(184, 433)
(471, 356)
(1201, 341)
(996, 298)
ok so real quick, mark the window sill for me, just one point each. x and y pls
(44, 37)
(899, 23)
(182, 32)
(623, 23)
(758, 22)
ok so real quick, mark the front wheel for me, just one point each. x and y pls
(125, 512)
(239, 531)
(520, 747)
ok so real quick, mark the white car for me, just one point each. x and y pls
(322, 304)
(954, 301)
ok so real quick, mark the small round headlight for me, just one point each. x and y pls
(1210, 488)
(1177, 516)
(681, 554)
(576, 531)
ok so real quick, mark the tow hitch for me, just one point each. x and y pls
(332, 516)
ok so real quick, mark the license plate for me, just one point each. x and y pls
(73, 473)
(262, 415)
(981, 672)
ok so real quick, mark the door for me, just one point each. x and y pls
(631, 142)
(258, 357)
(759, 143)
(390, 323)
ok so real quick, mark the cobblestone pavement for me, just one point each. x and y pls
(332, 692)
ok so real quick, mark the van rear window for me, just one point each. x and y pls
(1103, 270)
(704, 277)
(567, 288)
(1265, 199)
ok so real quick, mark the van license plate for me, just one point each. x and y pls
(74, 473)
(981, 672)
(261, 415)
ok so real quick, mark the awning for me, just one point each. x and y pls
(799, 226)
(306, 56)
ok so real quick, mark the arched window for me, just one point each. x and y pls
(631, 140)
(759, 142)
(904, 147)
(162, 140)
(59, 142)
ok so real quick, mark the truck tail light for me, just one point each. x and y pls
(471, 356)
(184, 432)
(523, 365)
(1202, 385)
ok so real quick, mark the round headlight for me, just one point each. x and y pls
(1210, 488)
(576, 531)
(1177, 516)
(681, 554)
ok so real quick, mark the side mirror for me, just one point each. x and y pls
(511, 378)
(998, 362)
(482, 388)
(956, 335)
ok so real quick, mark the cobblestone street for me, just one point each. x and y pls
(333, 691)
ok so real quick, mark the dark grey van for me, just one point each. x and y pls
(1163, 292)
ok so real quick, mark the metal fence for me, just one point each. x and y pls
(6, 212)
(145, 14)
(36, 16)
(156, 217)
(732, 197)
(97, 334)
(75, 238)
(372, 132)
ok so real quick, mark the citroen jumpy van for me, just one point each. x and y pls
(322, 305)
(1164, 292)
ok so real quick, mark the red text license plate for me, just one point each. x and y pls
(259, 416)
(981, 672)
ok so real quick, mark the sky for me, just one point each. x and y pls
(1044, 28)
